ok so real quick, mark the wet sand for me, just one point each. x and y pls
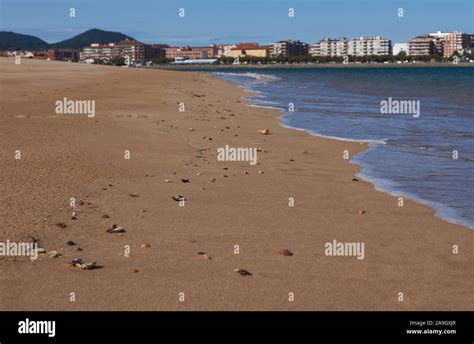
(407, 249)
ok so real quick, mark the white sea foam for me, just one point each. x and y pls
(257, 76)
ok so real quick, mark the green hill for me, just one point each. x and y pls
(88, 37)
(17, 41)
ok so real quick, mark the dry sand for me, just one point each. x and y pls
(407, 249)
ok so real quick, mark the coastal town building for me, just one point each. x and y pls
(98, 52)
(329, 47)
(137, 52)
(63, 54)
(249, 49)
(133, 50)
(154, 51)
(191, 52)
(289, 48)
(425, 45)
(225, 49)
(456, 42)
(440, 43)
(369, 46)
(362, 46)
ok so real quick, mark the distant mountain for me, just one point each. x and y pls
(88, 37)
(16, 41)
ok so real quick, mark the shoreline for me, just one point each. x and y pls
(137, 110)
(440, 210)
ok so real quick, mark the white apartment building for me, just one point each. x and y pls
(367, 46)
(363, 46)
(329, 47)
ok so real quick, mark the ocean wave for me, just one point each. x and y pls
(265, 106)
(257, 76)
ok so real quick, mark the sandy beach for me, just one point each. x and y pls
(184, 257)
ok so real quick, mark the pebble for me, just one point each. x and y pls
(133, 195)
(167, 181)
(105, 216)
(355, 179)
(178, 198)
(61, 225)
(362, 212)
(185, 180)
(145, 245)
(53, 254)
(116, 229)
(70, 243)
(82, 265)
(263, 131)
(260, 172)
(133, 271)
(243, 272)
(285, 252)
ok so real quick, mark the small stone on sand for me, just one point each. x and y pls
(116, 229)
(242, 272)
(53, 254)
(285, 252)
(82, 265)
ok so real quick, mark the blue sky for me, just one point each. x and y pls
(230, 21)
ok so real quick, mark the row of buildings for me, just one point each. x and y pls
(135, 52)
(440, 43)
(139, 52)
